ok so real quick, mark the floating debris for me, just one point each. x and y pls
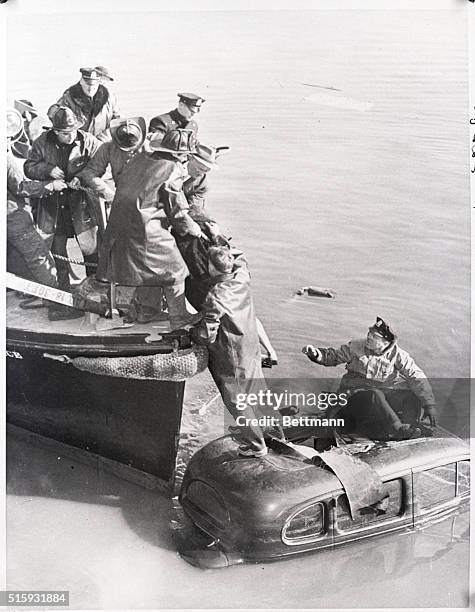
(316, 292)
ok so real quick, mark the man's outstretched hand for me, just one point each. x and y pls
(312, 353)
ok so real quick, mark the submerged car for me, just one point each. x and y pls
(286, 503)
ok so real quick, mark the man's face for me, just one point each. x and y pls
(375, 342)
(187, 111)
(89, 87)
(66, 137)
(196, 168)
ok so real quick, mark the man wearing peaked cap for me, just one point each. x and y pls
(181, 117)
(128, 136)
(92, 103)
(386, 389)
(138, 248)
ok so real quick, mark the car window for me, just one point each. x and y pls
(463, 478)
(434, 486)
(390, 506)
(307, 523)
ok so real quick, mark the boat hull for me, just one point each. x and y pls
(133, 422)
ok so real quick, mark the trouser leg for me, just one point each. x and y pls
(150, 297)
(90, 259)
(59, 247)
(405, 404)
(249, 434)
(22, 235)
(370, 413)
(177, 312)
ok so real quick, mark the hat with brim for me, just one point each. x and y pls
(104, 72)
(64, 120)
(383, 329)
(128, 134)
(175, 142)
(205, 155)
(90, 74)
(25, 106)
(14, 124)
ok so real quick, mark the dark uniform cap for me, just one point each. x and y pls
(129, 134)
(90, 74)
(383, 329)
(191, 99)
(65, 120)
(175, 141)
(104, 72)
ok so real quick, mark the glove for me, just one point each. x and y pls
(198, 336)
(56, 173)
(75, 183)
(195, 229)
(430, 413)
(312, 353)
(57, 185)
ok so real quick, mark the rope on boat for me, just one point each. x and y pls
(177, 366)
(74, 261)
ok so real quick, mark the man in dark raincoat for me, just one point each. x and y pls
(128, 135)
(56, 158)
(229, 329)
(180, 118)
(138, 248)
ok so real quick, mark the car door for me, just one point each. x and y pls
(440, 489)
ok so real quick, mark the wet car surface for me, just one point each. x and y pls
(254, 510)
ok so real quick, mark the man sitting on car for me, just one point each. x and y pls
(385, 387)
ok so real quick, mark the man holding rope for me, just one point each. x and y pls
(55, 159)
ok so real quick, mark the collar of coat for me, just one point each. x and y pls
(179, 119)
(89, 105)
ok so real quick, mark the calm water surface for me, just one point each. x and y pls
(363, 190)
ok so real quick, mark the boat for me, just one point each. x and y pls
(289, 502)
(111, 392)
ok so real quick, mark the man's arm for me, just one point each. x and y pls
(95, 169)
(418, 383)
(328, 357)
(176, 206)
(36, 167)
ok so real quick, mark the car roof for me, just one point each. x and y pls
(286, 479)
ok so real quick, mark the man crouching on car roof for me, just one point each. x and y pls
(378, 403)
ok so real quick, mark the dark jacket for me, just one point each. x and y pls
(95, 113)
(172, 121)
(108, 153)
(47, 153)
(138, 248)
